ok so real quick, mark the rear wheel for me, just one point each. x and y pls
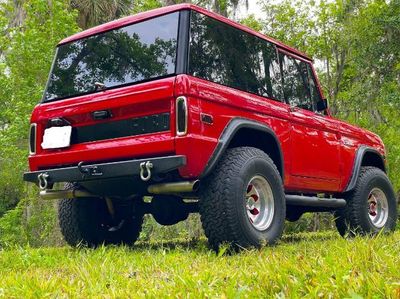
(242, 202)
(371, 206)
(87, 221)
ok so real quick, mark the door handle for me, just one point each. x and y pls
(102, 114)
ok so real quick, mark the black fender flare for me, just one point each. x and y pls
(229, 132)
(361, 151)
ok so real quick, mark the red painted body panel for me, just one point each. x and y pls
(318, 150)
(126, 102)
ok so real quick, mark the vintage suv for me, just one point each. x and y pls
(179, 110)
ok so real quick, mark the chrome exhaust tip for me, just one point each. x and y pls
(67, 194)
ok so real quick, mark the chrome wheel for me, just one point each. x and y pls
(260, 203)
(378, 207)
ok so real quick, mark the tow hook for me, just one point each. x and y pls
(145, 170)
(43, 182)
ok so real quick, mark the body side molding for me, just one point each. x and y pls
(229, 132)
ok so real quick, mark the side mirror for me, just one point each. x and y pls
(322, 105)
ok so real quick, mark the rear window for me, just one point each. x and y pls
(127, 55)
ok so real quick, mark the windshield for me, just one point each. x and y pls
(127, 55)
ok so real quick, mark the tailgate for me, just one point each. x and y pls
(128, 122)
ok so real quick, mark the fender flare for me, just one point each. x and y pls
(361, 151)
(229, 132)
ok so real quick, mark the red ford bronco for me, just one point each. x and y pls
(199, 114)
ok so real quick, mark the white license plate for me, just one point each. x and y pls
(57, 137)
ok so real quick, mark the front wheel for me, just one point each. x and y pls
(242, 202)
(371, 206)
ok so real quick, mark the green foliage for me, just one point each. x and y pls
(95, 12)
(27, 51)
(144, 5)
(189, 230)
(11, 228)
(32, 222)
(251, 22)
(302, 265)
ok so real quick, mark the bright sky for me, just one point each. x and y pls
(254, 8)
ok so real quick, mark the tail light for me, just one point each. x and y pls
(181, 116)
(32, 139)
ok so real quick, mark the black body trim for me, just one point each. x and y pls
(121, 128)
(361, 151)
(92, 172)
(229, 132)
(314, 201)
(182, 52)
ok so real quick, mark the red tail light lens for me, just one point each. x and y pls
(181, 116)
(32, 139)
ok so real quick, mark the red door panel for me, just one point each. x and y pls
(315, 146)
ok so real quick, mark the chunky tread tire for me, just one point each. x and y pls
(354, 219)
(222, 204)
(82, 223)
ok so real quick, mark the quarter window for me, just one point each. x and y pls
(223, 54)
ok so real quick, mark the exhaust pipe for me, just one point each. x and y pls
(67, 194)
(171, 188)
(168, 188)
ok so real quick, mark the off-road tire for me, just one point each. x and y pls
(84, 222)
(354, 218)
(222, 200)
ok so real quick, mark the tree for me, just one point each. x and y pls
(27, 51)
(223, 7)
(95, 12)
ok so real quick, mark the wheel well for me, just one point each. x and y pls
(373, 159)
(261, 140)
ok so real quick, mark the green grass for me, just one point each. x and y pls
(305, 265)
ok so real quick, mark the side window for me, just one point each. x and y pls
(223, 54)
(315, 95)
(296, 86)
(273, 78)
